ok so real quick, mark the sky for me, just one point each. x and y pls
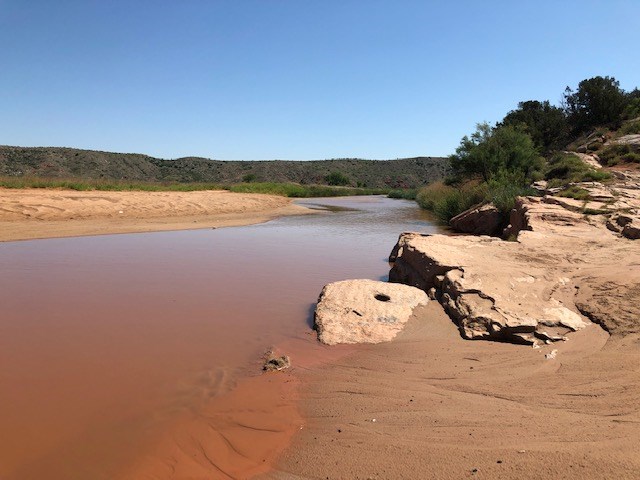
(294, 79)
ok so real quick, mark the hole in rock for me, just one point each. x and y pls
(382, 298)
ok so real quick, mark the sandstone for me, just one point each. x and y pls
(483, 219)
(590, 159)
(555, 277)
(364, 311)
(633, 139)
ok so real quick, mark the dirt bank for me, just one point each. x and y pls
(31, 213)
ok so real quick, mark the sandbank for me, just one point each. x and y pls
(33, 213)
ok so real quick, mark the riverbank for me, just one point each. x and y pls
(33, 213)
(431, 404)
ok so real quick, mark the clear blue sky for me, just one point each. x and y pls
(294, 79)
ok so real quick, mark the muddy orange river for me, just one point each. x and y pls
(135, 356)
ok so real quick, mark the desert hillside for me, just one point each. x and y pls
(54, 162)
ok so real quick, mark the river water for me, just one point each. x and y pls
(103, 340)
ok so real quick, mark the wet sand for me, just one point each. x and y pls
(433, 405)
(33, 213)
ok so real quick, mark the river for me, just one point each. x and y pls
(105, 340)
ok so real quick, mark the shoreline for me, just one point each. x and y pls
(29, 214)
(433, 404)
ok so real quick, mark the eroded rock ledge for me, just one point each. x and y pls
(534, 289)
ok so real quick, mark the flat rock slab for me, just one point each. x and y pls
(364, 311)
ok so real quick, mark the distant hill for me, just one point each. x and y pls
(55, 162)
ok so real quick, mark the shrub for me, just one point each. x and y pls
(616, 154)
(446, 202)
(630, 128)
(568, 168)
(337, 178)
(403, 193)
(504, 189)
(492, 150)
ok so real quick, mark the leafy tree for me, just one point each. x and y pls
(547, 125)
(496, 151)
(598, 101)
(632, 110)
(337, 178)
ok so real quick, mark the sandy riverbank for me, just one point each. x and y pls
(449, 408)
(431, 404)
(32, 213)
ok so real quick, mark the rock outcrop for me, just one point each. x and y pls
(534, 289)
(479, 220)
(364, 311)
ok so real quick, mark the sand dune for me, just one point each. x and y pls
(31, 213)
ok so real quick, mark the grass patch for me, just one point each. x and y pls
(594, 211)
(103, 185)
(616, 154)
(630, 128)
(282, 189)
(565, 168)
(303, 191)
(403, 193)
(574, 192)
(447, 201)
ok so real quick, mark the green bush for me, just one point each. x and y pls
(630, 128)
(446, 202)
(631, 157)
(302, 191)
(491, 151)
(504, 189)
(616, 154)
(337, 178)
(403, 193)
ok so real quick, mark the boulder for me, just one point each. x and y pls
(632, 230)
(483, 219)
(626, 224)
(364, 311)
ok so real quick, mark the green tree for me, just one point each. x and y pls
(632, 110)
(488, 152)
(547, 125)
(597, 101)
